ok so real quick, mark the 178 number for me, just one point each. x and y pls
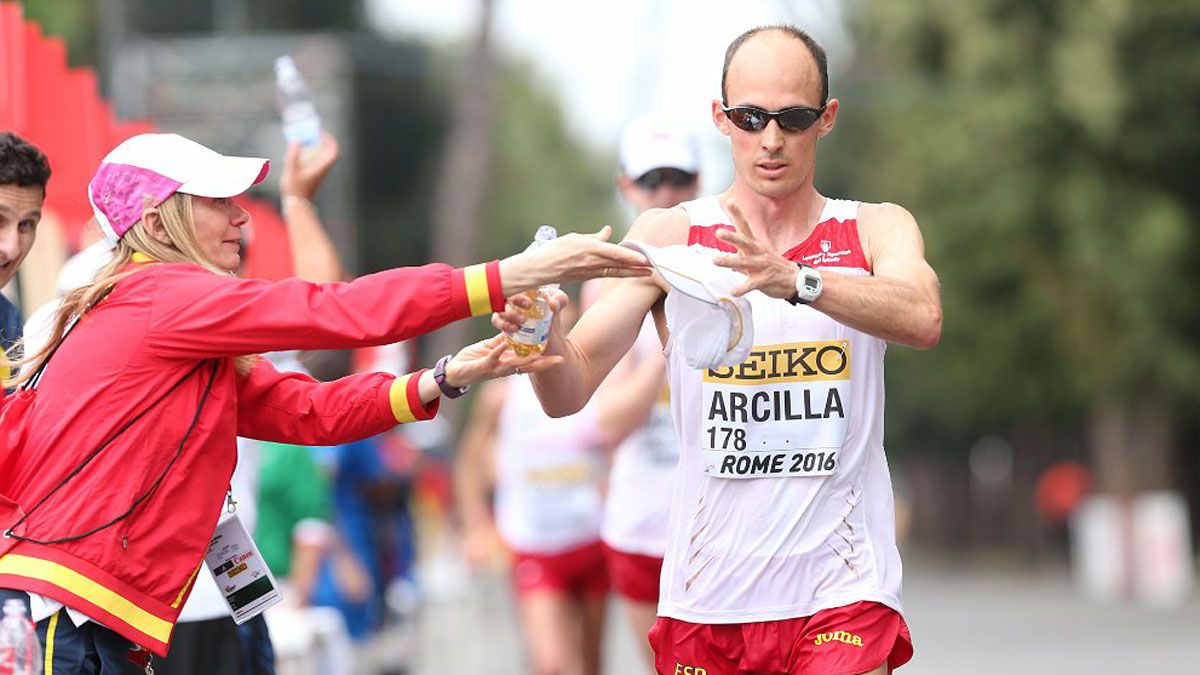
(728, 436)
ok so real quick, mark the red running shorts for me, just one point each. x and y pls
(577, 572)
(634, 576)
(847, 640)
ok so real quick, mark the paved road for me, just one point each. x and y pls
(989, 624)
(469, 627)
(963, 621)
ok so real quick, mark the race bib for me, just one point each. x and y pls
(781, 413)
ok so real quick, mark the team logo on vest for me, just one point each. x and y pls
(681, 669)
(791, 362)
(838, 636)
(827, 256)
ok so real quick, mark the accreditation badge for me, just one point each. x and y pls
(781, 413)
(236, 565)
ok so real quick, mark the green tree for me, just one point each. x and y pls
(72, 21)
(1045, 148)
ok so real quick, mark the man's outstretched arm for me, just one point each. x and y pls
(900, 303)
(607, 329)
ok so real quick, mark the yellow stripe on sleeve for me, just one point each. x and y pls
(88, 589)
(398, 395)
(477, 289)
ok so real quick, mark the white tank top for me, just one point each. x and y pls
(784, 502)
(548, 473)
(642, 477)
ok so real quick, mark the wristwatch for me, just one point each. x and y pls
(439, 376)
(808, 285)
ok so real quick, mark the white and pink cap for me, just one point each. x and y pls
(145, 170)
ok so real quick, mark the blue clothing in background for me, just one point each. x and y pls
(354, 467)
(10, 324)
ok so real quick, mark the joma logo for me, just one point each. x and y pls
(838, 636)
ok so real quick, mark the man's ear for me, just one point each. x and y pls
(154, 227)
(825, 124)
(720, 120)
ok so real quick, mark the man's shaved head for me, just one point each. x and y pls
(814, 49)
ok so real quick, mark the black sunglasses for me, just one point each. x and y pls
(665, 176)
(750, 118)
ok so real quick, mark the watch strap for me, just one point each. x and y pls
(439, 376)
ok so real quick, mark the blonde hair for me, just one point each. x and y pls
(175, 217)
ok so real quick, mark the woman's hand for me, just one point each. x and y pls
(492, 358)
(571, 257)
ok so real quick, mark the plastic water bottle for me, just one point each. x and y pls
(301, 124)
(20, 651)
(530, 338)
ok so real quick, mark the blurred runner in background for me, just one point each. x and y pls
(660, 164)
(547, 475)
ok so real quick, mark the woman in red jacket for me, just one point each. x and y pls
(114, 470)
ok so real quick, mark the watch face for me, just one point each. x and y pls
(812, 284)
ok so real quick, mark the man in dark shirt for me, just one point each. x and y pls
(24, 173)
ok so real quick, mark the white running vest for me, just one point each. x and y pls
(784, 501)
(548, 475)
(642, 476)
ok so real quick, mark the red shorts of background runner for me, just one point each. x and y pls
(841, 641)
(577, 572)
(634, 576)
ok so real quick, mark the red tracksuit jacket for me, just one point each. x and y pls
(150, 331)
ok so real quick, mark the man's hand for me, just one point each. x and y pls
(513, 315)
(766, 270)
(305, 169)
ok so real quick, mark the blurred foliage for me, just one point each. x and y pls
(73, 21)
(77, 21)
(156, 17)
(1050, 152)
(541, 173)
(401, 121)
